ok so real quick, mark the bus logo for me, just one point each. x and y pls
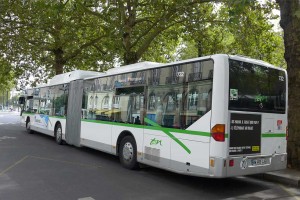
(155, 142)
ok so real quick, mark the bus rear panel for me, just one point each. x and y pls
(254, 112)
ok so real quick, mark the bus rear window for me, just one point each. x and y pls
(256, 88)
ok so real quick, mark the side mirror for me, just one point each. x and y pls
(21, 100)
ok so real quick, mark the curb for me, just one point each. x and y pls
(281, 179)
(286, 177)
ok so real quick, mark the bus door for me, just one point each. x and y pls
(128, 108)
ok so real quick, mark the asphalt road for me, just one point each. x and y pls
(33, 166)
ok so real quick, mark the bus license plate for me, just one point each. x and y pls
(258, 161)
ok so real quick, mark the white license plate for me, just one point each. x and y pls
(258, 161)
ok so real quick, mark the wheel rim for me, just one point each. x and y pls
(58, 134)
(128, 151)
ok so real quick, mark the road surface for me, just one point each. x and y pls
(33, 166)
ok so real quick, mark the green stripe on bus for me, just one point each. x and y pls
(199, 133)
(168, 133)
(59, 117)
(150, 127)
(113, 123)
(189, 132)
(156, 126)
(273, 135)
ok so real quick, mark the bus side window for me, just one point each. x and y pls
(130, 105)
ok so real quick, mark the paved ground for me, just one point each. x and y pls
(33, 166)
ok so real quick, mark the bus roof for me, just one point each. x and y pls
(71, 76)
(132, 67)
(251, 60)
(150, 65)
(143, 66)
(80, 74)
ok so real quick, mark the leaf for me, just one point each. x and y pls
(297, 14)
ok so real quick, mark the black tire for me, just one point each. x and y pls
(28, 126)
(58, 134)
(128, 153)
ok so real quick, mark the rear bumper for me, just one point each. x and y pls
(242, 165)
(277, 162)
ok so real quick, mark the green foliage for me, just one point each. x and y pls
(138, 25)
(243, 29)
(53, 35)
(163, 48)
(254, 34)
(46, 37)
(7, 75)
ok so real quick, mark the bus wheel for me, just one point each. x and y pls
(127, 154)
(28, 126)
(58, 134)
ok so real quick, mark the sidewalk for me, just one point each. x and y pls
(8, 110)
(289, 177)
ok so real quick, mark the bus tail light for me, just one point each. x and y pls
(231, 163)
(218, 132)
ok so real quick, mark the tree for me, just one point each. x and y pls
(236, 29)
(290, 22)
(205, 28)
(7, 72)
(254, 34)
(47, 37)
(6, 81)
(50, 34)
(138, 24)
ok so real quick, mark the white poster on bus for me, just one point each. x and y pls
(41, 120)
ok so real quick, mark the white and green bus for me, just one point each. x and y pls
(215, 116)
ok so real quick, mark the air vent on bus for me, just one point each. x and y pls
(152, 154)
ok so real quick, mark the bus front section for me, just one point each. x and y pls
(254, 118)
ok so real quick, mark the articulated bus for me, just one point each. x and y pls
(214, 116)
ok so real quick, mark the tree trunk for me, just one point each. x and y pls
(3, 100)
(290, 22)
(200, 48)
(59, 61)
(7, 99)
(130, 57)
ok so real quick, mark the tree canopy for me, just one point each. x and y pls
(46, 37)
(244, 30)
(50, 37)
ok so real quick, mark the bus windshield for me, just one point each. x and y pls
(256, 88)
